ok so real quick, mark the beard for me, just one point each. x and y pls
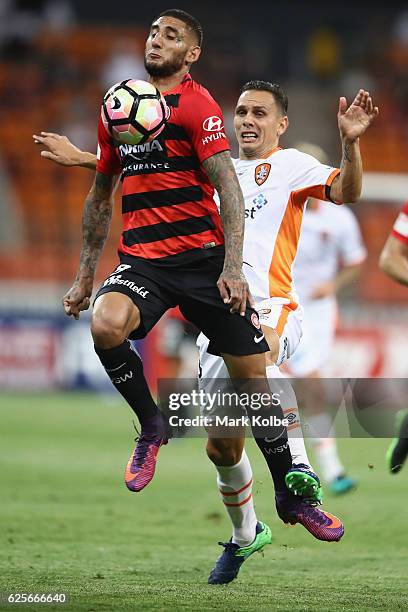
(166, 68)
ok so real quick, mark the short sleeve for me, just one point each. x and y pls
(400, 228)
(350, 241)
(108, 161)
(309, 177)
(204, 123)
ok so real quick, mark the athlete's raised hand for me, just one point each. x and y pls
(234, 290)
(77, 298)
(58, 148)
(61, 151)
(354, 120)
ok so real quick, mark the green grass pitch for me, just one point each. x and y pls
(68, 524)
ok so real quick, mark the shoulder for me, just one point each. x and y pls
(291, 162)
(193, 90)
(293, 156)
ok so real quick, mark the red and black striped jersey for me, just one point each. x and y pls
(168, 205)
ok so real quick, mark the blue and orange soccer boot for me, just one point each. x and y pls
(233, 556)
(141, 466)
(398, 450)
(298, 505)
(322, 525)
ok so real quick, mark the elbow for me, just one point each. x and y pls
(340, 196)
(346, 198)
(349, 191)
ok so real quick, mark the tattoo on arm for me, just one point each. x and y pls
(347, 186)
(346, 154)
(221, 172)
(95, 223)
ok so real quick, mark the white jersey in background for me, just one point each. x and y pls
(330, 238)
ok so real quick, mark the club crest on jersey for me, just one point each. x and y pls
(255, 321)
(261, 173)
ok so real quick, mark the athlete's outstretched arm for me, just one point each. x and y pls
(394, 260)
(61, 150)
(232, 284)
(353, 122)
(95, 228)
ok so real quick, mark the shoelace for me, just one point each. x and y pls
(229, 546)
(316, 515)
(164, 432)
(136, 430)
(306, 469)
(142, 445)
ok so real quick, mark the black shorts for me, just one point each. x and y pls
(192, 287)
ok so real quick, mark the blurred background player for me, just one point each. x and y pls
(394, 263)
(177, 344)
(329, 258)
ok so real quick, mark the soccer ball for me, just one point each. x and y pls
(134, 112)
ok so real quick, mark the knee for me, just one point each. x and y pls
(246, 367)
(107, 331)
(223, 452)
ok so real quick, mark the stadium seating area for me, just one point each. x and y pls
(58, 87)
(50, 198)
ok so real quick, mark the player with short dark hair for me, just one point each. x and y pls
(176, 249)
(275, 89)
(276, 184)
(193, 25)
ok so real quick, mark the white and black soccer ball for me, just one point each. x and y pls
(134, 112)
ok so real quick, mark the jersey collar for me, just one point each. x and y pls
(186, 79)
(257, 160)
(274, 150)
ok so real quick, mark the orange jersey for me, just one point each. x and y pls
(275, 190)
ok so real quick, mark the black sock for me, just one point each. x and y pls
(265, 412)
(278, 458)
(125, 369)
(273, 442)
